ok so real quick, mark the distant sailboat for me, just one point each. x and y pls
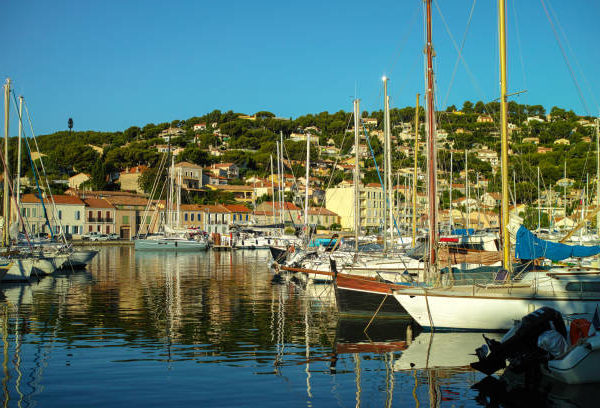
(173, 237)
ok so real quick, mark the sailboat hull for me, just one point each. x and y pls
(365, 296)
(497, 311)
(169, 245)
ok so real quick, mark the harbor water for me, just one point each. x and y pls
(210, 329)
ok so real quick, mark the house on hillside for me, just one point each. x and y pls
(128, 179)
(485, 119)
(189, 174)
(170, 133)
(229, 170)
(77, 180)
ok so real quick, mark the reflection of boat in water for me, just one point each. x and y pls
(440, 350)
(512, 389)
(80, 258)
(381, 336)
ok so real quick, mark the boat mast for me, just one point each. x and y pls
(307, 225)
(19, 151)
(6, 209)
(539, 200)
(450, 195)
(389, 175)
(386, 169)
(356, 173)
(281, 181)
(504, 144)
(468, 190)
(431, 149)
(598, 175)
(414, 181)
(565, 187)
(272, 193)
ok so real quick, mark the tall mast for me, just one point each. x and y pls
(539, 200)
(356, 173)
(279, 204)
(389, 175)
(18, 189)
(504, 144)
(598, 174)
(451, 216)
(431, 149)
(6, 209)
(565, 187)
(386, 169)
(468, 191)
(281, 181)
(415, 176)
(273, 192)
(307, 225)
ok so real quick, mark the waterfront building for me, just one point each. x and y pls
(99, 216)
(62, 212)
(264, 214)
(129, 211)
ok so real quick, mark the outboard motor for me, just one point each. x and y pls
(519, 345)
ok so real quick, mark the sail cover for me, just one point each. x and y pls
(531, 247)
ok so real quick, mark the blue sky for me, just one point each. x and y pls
(113, 64)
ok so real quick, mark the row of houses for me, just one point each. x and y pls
(128, 214)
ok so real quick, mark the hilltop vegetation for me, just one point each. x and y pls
(250, 142)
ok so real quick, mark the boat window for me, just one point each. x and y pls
(583, 287)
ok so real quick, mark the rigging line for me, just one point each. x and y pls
(460, 55)
(462, 46)
(520, 48)
(350, 115)
(565, 58)
(403, 41)
(570, 49)
(54, 210)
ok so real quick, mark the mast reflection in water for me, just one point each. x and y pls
(144, 329)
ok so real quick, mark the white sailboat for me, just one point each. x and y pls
(173, 236)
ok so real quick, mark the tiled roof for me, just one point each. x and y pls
(237, 208)
(216, 208)
(188, 164)
(58, 199)
(320, 211)
(97, 203)
(127, 200)
(287, 205)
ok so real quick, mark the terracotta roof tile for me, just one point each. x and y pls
(58, 199)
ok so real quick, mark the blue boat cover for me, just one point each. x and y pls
(531, 247)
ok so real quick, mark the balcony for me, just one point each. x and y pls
(101, 220)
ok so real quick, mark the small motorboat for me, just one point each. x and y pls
(541, 343)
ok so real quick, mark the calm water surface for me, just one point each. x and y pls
(156, 330)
